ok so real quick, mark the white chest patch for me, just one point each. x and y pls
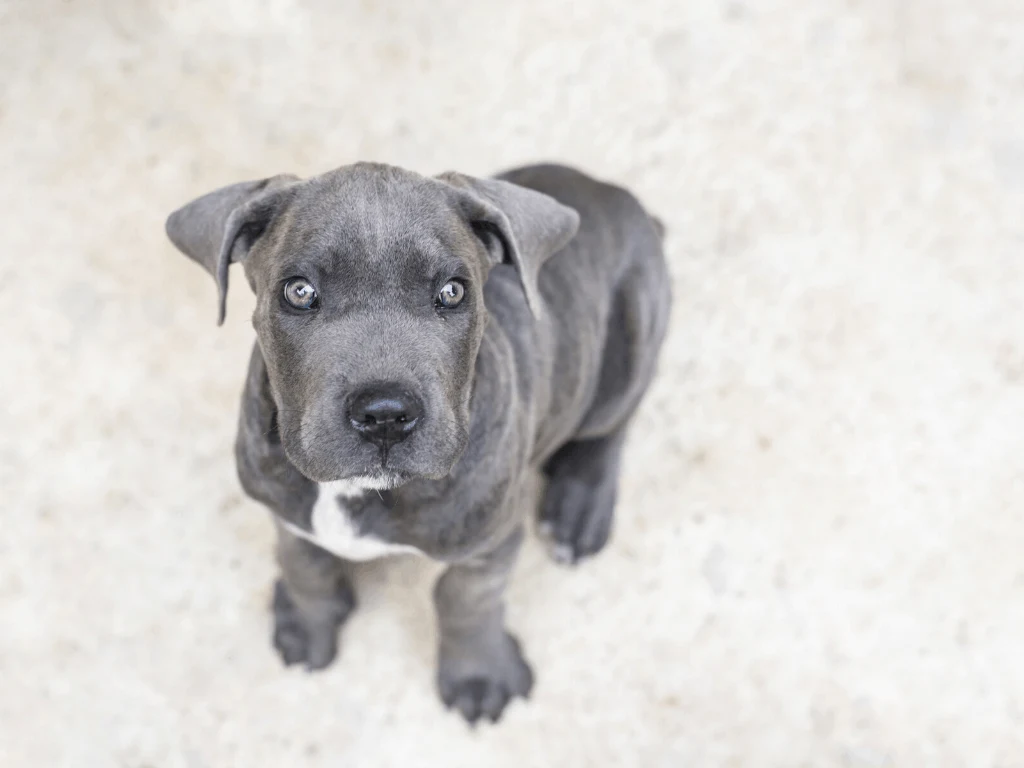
(333, 529)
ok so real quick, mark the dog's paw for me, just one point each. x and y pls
(480, 682)
(576, 518)
(308, 640)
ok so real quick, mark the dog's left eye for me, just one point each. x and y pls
(300, 293)
(451, 294)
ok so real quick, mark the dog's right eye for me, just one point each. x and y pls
(300, 293)
(451, 294)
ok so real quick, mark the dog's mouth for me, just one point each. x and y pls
(376, 482)
(363, 479)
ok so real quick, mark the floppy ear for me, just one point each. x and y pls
(519, 226)
(220, 227)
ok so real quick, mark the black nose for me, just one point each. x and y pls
(384, 414)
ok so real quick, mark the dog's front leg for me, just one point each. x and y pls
(480, 666)
(312, 599)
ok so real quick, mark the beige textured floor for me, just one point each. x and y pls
(820, 552)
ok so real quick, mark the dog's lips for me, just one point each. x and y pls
(384, 481)
(367, 481)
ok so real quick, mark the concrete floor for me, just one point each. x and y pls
(818, 558)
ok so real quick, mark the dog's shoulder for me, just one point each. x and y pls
(608, 212)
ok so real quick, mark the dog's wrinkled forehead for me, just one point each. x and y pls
(369, 216)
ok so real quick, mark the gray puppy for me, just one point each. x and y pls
(424, 346)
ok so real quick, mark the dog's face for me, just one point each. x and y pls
(370, 308)
(370, 327)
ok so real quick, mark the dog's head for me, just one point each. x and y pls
(369, 303)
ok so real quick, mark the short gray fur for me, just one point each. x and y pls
(541, 367)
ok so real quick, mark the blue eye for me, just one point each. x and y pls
(300, 293)
(452, 294)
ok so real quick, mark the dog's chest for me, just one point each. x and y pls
(334, 530)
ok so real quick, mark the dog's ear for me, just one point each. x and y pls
(519, 226)
(220, 227)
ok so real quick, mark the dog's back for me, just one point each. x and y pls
(607, 292)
